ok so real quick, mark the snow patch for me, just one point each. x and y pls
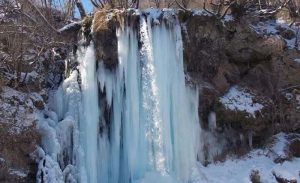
(17, 109)
(228, 18)
(267, 27)
(238, 170)
(70, 26)
(18, 173)
(200, 12)
(239, 99)
(279, 146)
(297, 60)
(298, 99)
(289, 96)
(272, 27)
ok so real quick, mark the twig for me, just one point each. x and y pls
(180, 6)
(229, 6)
(204, 7)
(43, 17)
(277, 9)
(291, 87)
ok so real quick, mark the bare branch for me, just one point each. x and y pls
(227, 9)
(42, 16)
(273, 12)
(80, 8)
(180, 6)
(204, 7)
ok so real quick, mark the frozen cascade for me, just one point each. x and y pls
(155, 127)
(137, 123)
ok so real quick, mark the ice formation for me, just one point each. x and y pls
(137, 123)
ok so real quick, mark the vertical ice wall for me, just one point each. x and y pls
(137, 123)
(89, 124)
(155, 127)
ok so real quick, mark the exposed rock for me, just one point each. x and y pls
(255, 177)
(17, 166)
(105, 39)
(18, 134)
(281, 179)
(294, 148)
(37, 101)
(218, 55)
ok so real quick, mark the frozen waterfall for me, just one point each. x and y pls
(138, 123)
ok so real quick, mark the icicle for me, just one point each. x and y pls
(89, 126)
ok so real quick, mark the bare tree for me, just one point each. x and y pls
(31, 26)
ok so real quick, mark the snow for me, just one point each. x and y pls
(31, 76)
(75, 25)
(297, 60)
(109, 16)
(272, 27)
(281, 20)
(18, 173)
(17, 109)
(267, 27)
(238, 170)
(239, 99)
(200, 12)
(289, 96)
(298, 99)
(228, 18)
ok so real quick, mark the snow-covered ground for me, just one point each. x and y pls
(261, 160)
(239, 99)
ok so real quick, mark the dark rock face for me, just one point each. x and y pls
(294, 148)
(220, 54)
(15, 155)
(105, 38)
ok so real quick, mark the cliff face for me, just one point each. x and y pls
(20, 107)
(247, 70)
(221, 54)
